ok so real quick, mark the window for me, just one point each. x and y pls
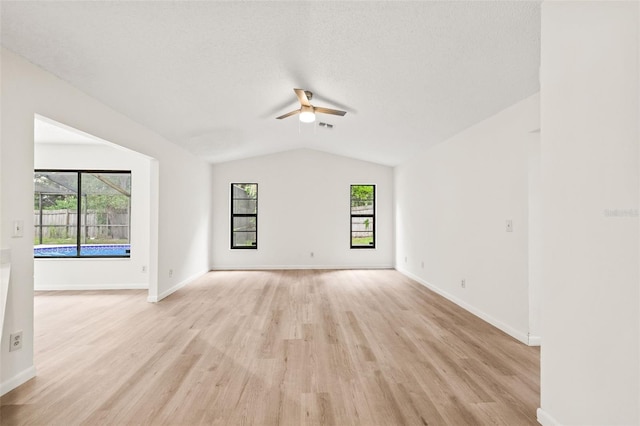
(82, 213)
(363, 216)
(244, 215)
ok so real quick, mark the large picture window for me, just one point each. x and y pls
(82, 213)
(244, 215)
(363, 216)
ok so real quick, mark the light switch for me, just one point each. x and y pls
(509, 225)
(18, 229)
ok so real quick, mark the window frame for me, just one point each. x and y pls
(79, 206)
(234, 215)
(371, 245)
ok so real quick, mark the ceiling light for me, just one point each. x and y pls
(307, 115)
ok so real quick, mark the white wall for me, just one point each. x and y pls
(303, 207)
(590, 361)
(452, 203)
(94, 274)
(535, 241)
(180, 185)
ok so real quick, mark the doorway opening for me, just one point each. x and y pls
(92, 197)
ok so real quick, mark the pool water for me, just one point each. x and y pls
(106, 250)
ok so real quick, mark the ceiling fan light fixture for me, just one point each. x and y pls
(307, 115)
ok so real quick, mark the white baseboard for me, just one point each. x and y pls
(155, 299)
(545, 419)
(289, 267)
(534, 340)
(55, 287)
(516, 334)
(17, 380)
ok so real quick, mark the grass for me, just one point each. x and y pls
(72, 241)
(366, 241)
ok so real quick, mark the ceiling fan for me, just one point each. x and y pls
(307, 111)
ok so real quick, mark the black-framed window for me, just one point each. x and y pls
(82, 213)
(363, 216)
(244, 215)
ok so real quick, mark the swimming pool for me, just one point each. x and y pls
(96, 250)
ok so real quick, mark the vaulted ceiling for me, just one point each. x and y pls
(212, 76)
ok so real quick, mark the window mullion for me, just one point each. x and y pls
(78, 214)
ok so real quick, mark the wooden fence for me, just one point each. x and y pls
(62, 224)
(362, 227)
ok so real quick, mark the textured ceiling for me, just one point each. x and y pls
(212, 76)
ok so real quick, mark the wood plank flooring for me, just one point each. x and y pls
(273, 348)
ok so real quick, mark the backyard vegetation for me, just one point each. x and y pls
(362, 241)
(362, 216)
(93, 205)
(361, 195)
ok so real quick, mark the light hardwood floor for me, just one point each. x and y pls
(273, 348)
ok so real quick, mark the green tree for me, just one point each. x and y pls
(361, 195)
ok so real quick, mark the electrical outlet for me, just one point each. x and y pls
(170, 273)
(15, 341)
(463, 283)
(311, 254)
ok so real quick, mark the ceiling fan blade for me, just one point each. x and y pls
(302, 97)
(329, 101)
(289, 114)
(329, 111)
